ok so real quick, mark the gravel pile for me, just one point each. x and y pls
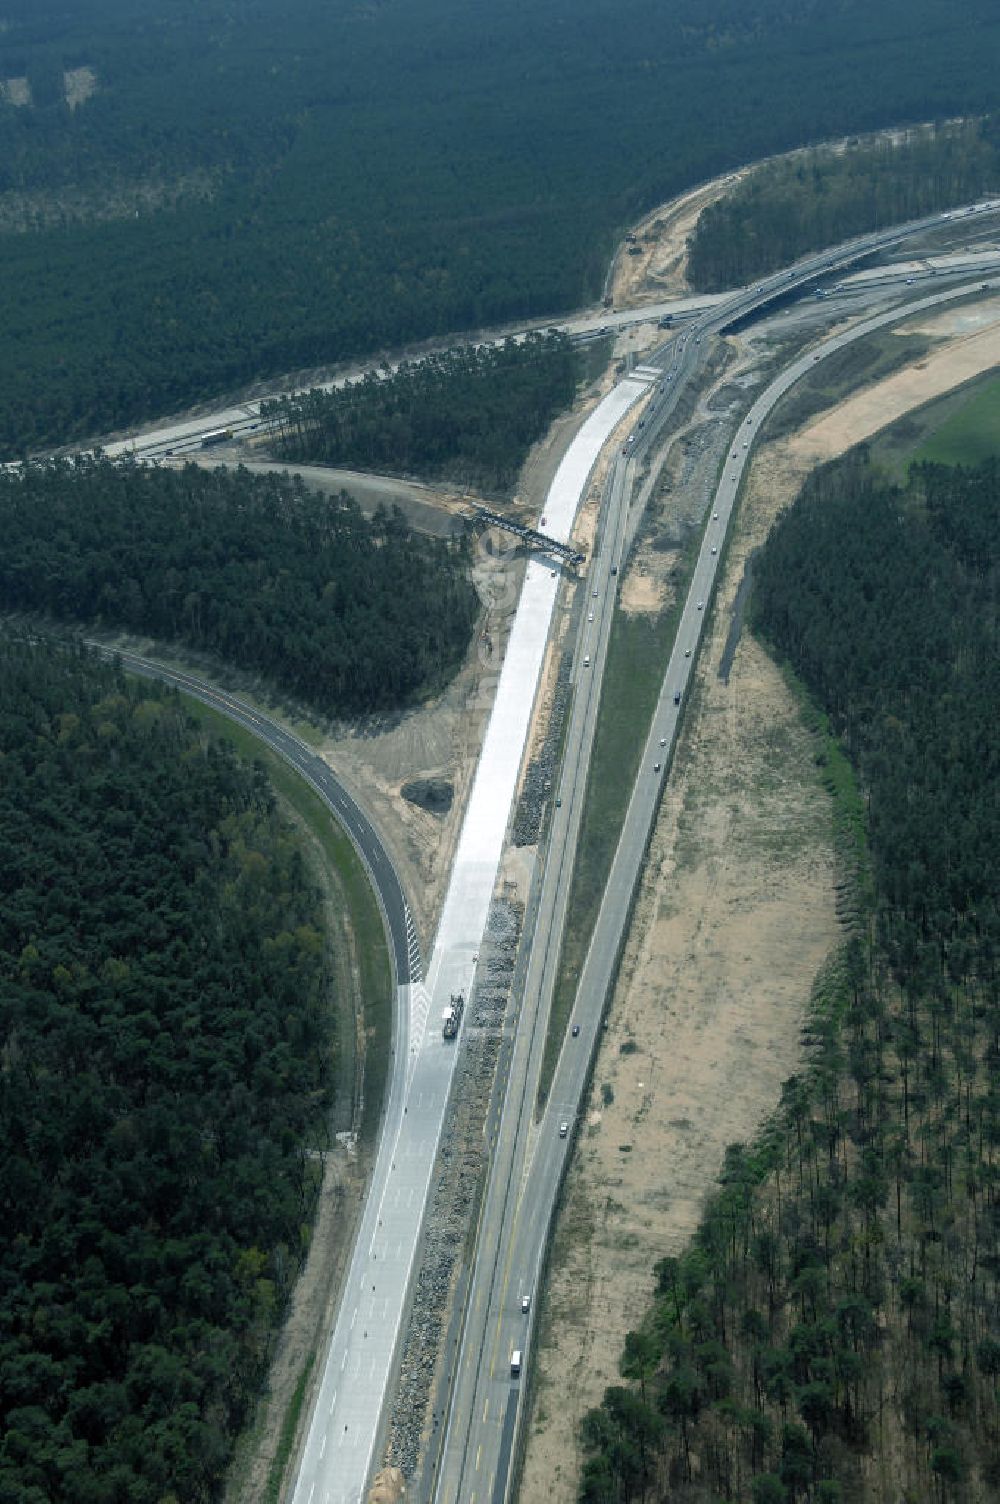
(539, 778)
(709, 439)
(433, 794)
(495, 971)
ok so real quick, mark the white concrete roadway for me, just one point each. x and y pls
(345, 1424)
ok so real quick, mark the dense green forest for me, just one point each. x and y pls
(349, 615)
(166, 1038)
(255, 187)
(786, 208)
(832, 1333)
(468, 415)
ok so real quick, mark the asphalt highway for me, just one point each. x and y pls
(185, 437)
(510, 1122)
(529, 1159)
(482, 1371)
(348, 1412)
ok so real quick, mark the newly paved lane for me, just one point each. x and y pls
(510, 1122)
(347, 1418)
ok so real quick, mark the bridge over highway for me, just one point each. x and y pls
(532, 536)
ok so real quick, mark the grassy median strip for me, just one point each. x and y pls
(363, 913)
(637, 657)
(858, 365)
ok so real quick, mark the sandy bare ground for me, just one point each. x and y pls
(643, 592)
(659, 269)
(974, 347)
(736, 915)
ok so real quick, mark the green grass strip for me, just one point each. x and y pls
(289, 1428)
(971, 435)
(838, 777)
(638, 652)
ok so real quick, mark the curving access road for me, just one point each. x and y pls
(403, 945)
